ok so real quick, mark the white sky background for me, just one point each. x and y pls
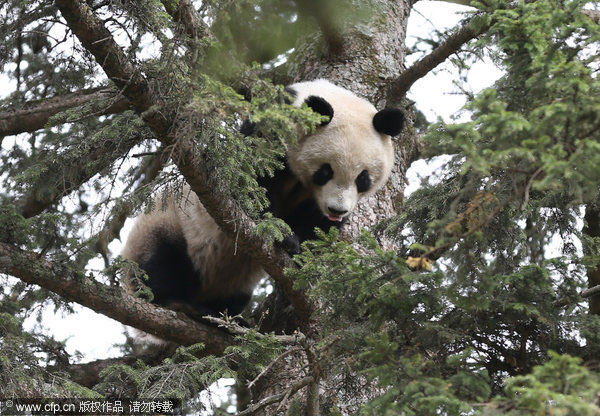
(95, 335)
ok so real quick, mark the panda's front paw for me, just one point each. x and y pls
(291, 244)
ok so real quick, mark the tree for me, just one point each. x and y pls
(451, 304)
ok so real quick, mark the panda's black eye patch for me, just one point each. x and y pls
(363, 181)
(323, 174)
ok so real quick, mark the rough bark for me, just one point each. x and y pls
(370, 57)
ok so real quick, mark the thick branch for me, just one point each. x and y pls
(226, 213)
(588, 293)
(423, 66)
(34, 115)
(111, 301)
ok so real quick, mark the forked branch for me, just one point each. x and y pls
(423, 66)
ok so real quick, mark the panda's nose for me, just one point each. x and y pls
(337, 211)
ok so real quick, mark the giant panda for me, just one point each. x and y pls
(194, 267)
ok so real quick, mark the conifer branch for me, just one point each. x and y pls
(236, 329)
(111, 301)
(591, 229)
(592, 291)
(34, 115)
(226, 213)
(186, 15)
(65, 176)
(149, 170)
(588, 293)
(451, 45)
(184, 12)
(88, 374)
(276, 398)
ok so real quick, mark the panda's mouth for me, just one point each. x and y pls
(335, 218)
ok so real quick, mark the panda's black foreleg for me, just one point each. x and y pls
(304, 219)
(291, 244)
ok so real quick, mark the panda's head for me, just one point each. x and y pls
(350, 156)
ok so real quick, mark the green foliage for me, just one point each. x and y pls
(493, 329)
(272, 228)
(238, 160)
(192, 374)
(560, 386)
(21, 372)
(550, 138)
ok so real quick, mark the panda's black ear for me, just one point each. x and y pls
(319, 105)
(389, 121)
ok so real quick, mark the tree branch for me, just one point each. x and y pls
(226, 213)
(277, 397)
(592, 14)
(452, 44)
(64, 176)
(184, 12)
(149, 169)
(88, 374)
(111, 301)
(460, 2)
(98, 40)
(34, 115)
(588, 293)
(591, 229)
(237, 329)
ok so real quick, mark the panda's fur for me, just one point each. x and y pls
(193, 266)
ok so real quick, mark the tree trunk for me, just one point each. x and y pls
(370, 56)
(592, 230)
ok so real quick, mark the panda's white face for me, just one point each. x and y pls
(342, 166)
(346, 159)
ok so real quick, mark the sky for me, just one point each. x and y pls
(95, 335)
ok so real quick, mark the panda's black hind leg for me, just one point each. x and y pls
(171, 274)
(233, 305)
